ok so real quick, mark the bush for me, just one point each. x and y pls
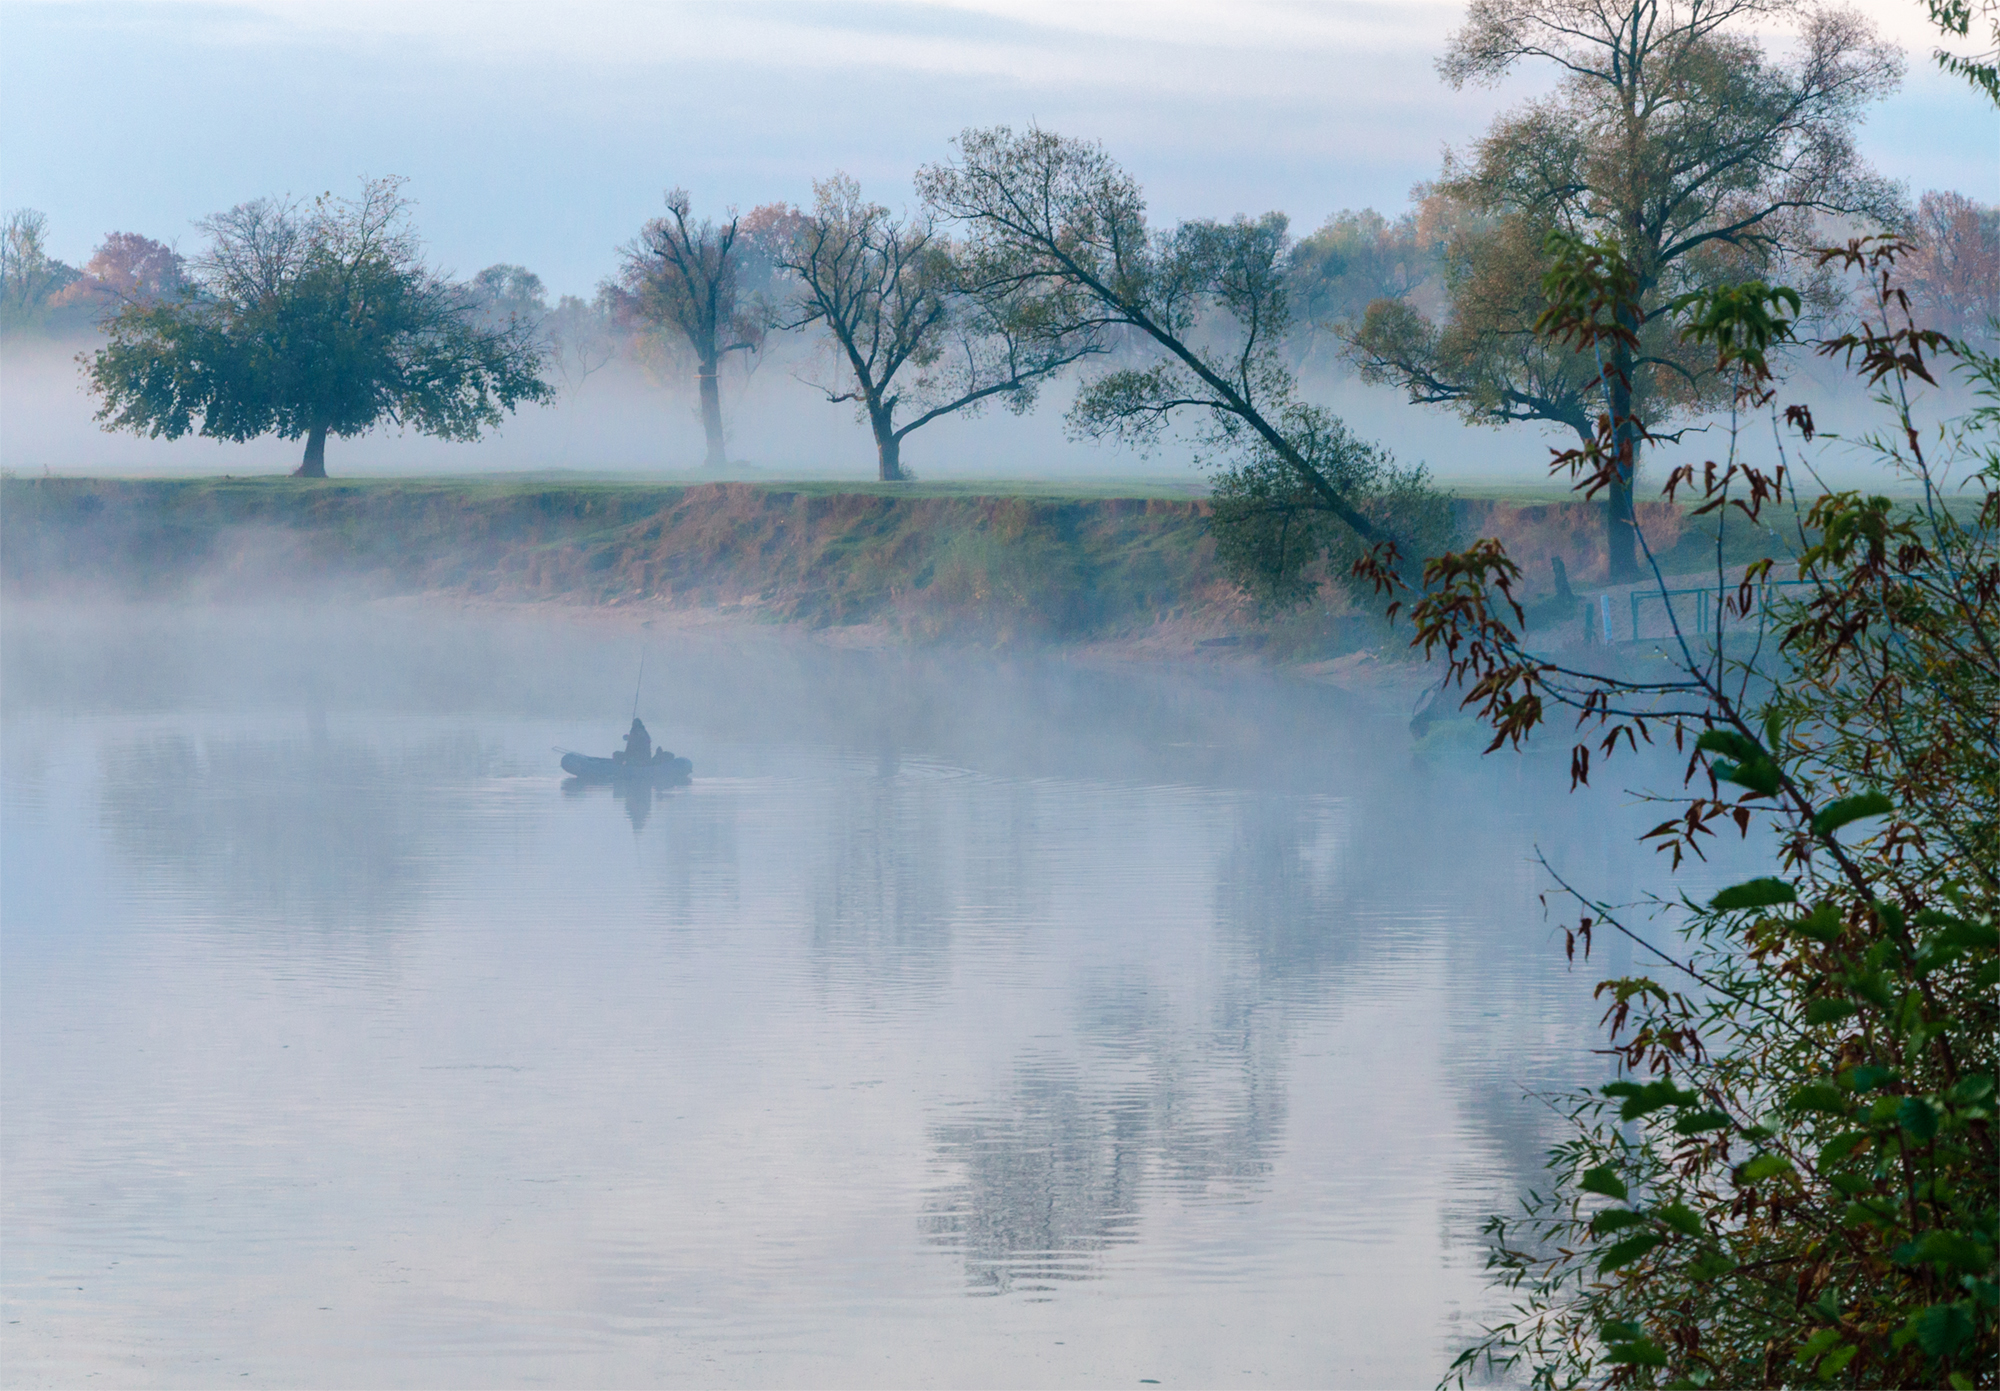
(1793, 1180)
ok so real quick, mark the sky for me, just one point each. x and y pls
(545, 134)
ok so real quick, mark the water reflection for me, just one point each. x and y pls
(331, 832)
(635, 795)
(1164, 1011)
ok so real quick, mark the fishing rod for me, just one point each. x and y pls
(639, 684)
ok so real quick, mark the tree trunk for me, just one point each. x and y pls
(314, 464)
(888, 447)
(1621, 537)
(711, 415)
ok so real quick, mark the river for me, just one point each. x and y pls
(966, 1020)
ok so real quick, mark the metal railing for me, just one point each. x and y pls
(1706, 600)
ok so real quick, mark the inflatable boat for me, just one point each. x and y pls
(662, 768)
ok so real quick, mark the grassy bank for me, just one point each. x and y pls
(999, 562)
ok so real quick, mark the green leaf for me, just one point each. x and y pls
(1615, 1219)
(1641, 1352)
(1827, 1010)
(1603, 1179)
(1757, 893)
(1868, 1077)
(1677, 1216)
(1762, 1167)
(1973, 1089)
(1760, 775)
(1970, 936)
(1818, 1096)
(1943, 1329)
(1917, 1116)
(1653, 1097)
(1840, 1146)
(1729, 742)
(1818, 1345)
(1837, 814)
(1710, 1266)
(1831, 1365)
(1823, 924)
(1945, 1248)
(1873, 987)
(1629, 1250)
(1696, 1122)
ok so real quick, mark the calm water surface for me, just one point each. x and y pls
(964, 1022)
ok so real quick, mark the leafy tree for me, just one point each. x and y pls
(1483, 358)
(913, 323)
(1794, 1180)
(309, 322)
(29, 277)
(1352, 261)
(1953, 263)
(1675, 137)
(684, 276)
(1056, 221)
(125, 269)
(502, 295)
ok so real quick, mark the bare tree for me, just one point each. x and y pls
(683, 274)
(911, 322)
(29, 276)
(1673, 136)
(580, 339)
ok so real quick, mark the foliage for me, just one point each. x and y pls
(1794, 1180)
(1674, 137)
(311, 322)
(1953, 265)
(1058, 223)
(125, 269)
(1483, 359)
(1270, 534)
(1354, 260)
(914, 322)
(1955, 19)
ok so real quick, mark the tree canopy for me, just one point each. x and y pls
(309, 321)
(1672, 136)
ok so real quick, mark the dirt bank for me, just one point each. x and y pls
(988, 567)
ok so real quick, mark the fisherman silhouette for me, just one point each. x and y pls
(638, 744)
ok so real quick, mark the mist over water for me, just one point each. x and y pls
(965, 1021)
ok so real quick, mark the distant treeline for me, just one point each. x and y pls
(1674, 142)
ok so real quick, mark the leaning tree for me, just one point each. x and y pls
(913, 323)
(1672, 137)
(1202, 310)
(311, 321)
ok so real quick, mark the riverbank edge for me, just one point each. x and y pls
(1099, 574)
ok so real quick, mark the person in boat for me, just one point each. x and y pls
(638, 744)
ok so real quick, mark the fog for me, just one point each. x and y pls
(965, 1019)
(627, 419)
(978, 1011)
